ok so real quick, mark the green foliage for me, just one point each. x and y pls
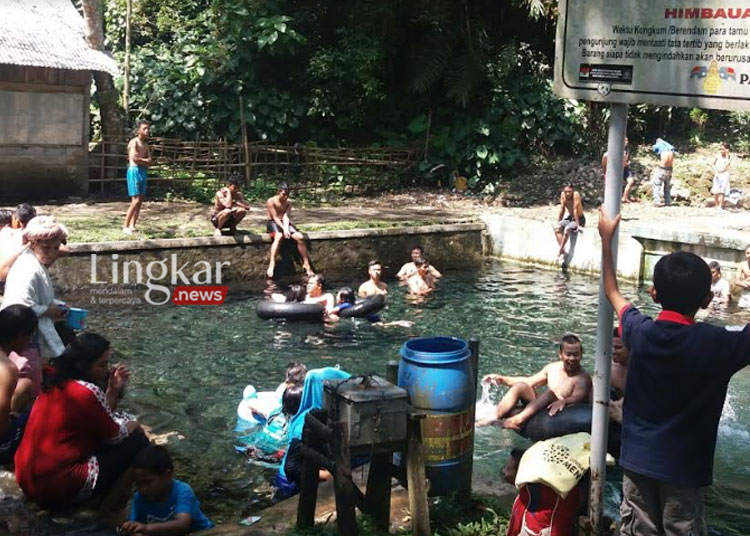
(739, 127)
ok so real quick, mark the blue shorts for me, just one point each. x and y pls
(136, 180)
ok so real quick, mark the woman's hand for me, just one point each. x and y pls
(133, 427)
(118, 378)
(55, 312)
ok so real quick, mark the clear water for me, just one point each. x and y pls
(191, 364)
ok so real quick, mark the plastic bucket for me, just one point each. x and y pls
(437, 374)
(76, 318)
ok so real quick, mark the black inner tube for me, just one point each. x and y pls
(311, 312)
(572, 419)
(364, 307)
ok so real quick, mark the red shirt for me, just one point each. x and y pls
(55, 462)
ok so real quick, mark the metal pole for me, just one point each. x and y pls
(603, 367)
(126, 81)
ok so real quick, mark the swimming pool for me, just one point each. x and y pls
(190, 365)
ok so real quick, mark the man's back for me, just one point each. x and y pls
(677, 381)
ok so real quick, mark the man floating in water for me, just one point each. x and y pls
(567, 382)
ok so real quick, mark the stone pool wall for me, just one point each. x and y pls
(246, 257)
(533, 241)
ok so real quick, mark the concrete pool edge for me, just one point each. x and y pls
(453, 245)
(245, 257)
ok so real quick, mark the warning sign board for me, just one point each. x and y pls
(670, 52)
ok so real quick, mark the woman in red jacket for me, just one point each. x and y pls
(75, 446)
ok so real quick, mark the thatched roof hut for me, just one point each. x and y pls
(45, 84)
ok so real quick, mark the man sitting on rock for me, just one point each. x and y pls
(570, 202)
(229, 207)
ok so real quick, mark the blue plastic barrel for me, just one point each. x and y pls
(437, 374)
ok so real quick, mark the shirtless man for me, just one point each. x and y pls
(661, 178)
(230, 207)
(421, 282)
(570, 202)
(743, 280)
(618, 378)
(374, 285)
(315, 293)
(567, 382)
(139, 158)
(720, 186)
(410, 268)
(280, 226)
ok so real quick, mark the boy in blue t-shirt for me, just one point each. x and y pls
(162, 505)
(677, 381)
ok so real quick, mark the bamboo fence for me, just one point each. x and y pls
(316, 170)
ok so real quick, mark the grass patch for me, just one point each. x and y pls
(97, 228)
(454, 515)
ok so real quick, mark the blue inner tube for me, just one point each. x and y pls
(365, 307)
(310, 312)
(573, 419)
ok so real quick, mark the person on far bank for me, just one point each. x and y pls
(410, 268)
(373, 285)
(677, 381)
(628, 178)
(570, 202)
(661, 178)
(139, 159)
(280, 227)
(230, 207)
(720, 186)
(162, 504)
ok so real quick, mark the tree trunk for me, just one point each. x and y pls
(105, 87)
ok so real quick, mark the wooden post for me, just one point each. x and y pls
(378, 497)
(415, 478)
(308, 488)
(244, 141)
(126, 81)
(342, 482)
(391, 371)
(474, 348)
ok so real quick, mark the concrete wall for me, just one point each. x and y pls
(728, 248)
(533, 241)
(44, 126)
(332, 252)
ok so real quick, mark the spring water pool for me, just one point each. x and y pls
(191, 364)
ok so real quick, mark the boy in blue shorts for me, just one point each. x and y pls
(162, 505)
(139, 158)
(677, 381)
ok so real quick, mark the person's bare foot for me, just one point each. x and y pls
(512, 423)
(486, 422)
(308, 271)
(217, 232)
(269, 272)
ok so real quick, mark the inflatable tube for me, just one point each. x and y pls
(265, 403)
(310, 312)
(365, 307)
(571, 420)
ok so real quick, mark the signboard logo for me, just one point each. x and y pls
(713, 75)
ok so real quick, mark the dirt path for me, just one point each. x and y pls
(161, 219)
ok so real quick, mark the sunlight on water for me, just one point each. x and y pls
(191, 364)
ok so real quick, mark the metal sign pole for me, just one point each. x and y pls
(603, 367)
